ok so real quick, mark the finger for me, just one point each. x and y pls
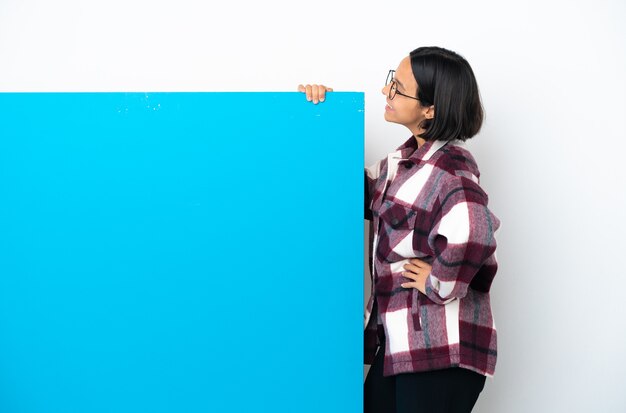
(316, 94)
(329, 89)
(410, 275)
(418, 263)
(409, 285)
(308, 92)
(323, 90)
(301, 88)
(412, 268)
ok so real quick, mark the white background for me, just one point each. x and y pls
(551, 152)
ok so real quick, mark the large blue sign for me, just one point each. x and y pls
(181, 252)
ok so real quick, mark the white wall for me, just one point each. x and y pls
(551, 151)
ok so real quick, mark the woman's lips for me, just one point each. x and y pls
(388, 108)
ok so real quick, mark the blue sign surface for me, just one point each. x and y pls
(181, 252)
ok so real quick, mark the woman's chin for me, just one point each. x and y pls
(390, 118)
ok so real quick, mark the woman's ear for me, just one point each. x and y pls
(429, 113)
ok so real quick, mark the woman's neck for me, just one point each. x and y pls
(416, 132)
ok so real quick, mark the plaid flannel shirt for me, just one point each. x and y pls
(426, 203)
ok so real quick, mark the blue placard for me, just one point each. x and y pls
(181, 252)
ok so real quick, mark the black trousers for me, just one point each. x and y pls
(453, 390)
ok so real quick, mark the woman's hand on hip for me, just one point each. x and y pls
(315, 93)
(418, 271)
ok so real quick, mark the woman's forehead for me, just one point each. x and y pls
(405, 74)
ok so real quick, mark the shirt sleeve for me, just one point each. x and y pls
(371, 175)
(463, 240)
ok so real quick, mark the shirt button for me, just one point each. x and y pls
(394, 221)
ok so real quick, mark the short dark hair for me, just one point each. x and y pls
(446, 80)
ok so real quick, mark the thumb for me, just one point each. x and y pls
(301, 88)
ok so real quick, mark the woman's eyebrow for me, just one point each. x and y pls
(399, 83)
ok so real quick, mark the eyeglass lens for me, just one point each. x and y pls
(393, 88)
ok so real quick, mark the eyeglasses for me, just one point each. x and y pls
(393, 90)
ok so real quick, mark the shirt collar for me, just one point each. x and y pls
(409, 150)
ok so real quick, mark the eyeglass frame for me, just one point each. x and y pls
(391, 80)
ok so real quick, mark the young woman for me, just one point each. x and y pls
(432, 244)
